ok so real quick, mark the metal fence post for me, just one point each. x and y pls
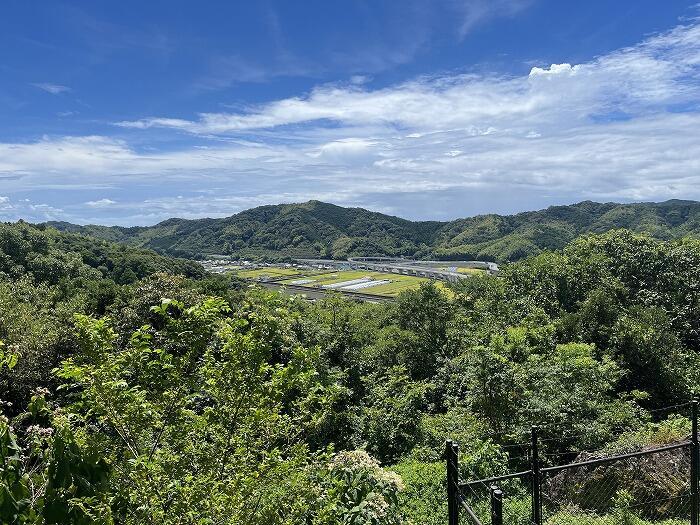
(450, 492)
(496, 506)
(536, 482)
(455, 480)
(694, 465)
(452, 463)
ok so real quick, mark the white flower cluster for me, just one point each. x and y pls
(357, 460)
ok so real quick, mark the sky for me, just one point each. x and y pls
(132, 112)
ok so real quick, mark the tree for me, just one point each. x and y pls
(426, 312)
(391, 417)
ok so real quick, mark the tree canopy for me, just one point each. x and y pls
(176, 397)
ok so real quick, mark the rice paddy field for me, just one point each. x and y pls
(271, 272)
(381, 284)
(461, 269)
(470, 270)
(367, 282)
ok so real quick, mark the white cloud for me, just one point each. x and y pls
(622, 126)
(5, 205)
(344, 149)
(54, 89)
(554, 69)
(101, 203)
(23, 208)
(662, 70)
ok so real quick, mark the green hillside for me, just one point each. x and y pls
(319, 229)
(170, 400)
(54, 256)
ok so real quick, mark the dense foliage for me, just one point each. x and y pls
(316, 229)
(46, 277)
(175, 399)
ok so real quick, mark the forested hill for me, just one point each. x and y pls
(176, 401)
(319, 229)
(54, 257)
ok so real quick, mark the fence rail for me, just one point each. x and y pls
(653, 485)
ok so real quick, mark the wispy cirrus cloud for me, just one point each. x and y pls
(387, 43)
(225, 71)
(54, 89)
(660, 71)
(475, 12)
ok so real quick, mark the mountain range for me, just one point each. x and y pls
(318, 229)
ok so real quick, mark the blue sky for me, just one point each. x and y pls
(132, 112)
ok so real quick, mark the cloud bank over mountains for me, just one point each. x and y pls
(624, 126)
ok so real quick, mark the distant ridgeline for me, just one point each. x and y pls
(317, 229)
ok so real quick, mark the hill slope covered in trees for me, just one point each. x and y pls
(180, 401)
(319, 229)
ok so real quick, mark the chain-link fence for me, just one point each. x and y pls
(654, 484)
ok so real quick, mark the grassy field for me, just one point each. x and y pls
(465, 270)
(341, 276)
(398, 284)
(395, 287)
(470, 270)
(268, 272)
